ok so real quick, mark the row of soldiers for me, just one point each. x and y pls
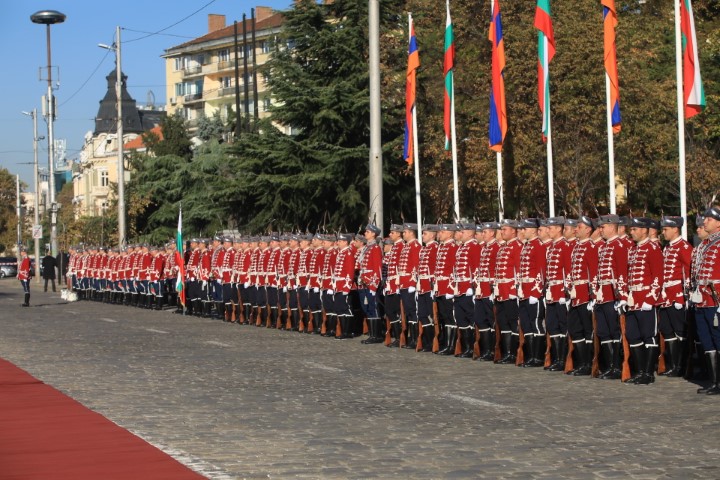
(573, 295)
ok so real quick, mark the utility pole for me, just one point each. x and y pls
(376, 168)
(47, 18)
(36, 206)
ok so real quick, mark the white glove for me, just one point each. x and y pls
(204, 284)
(469, 292)
(330, 292)
(372, 292)
(219, 282)
(492, 297)
(591, 305)
(449, 297)
(621, 306)
(513, 297)
(646, 307)
(246, 284)
(532, 300)
(316, 290)
(678, 306)
(284, 289)
(562, 301)
(411, 290)
(432, 294)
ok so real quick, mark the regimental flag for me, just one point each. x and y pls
(546, 52)
(610, 22)
(694, 94)
(448, 66)
(180, 261)
(498, 112)
(410, 84)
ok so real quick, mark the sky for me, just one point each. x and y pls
(83, 65)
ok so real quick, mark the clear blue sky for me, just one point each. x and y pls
(75, 52)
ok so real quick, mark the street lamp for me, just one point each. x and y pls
(33, 115)
(47, 18)
(115, 47)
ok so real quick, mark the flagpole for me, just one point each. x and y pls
(453, 142)
(681, 117)
(498, 158)
(611, 145)
(416, 156)
(551, 181)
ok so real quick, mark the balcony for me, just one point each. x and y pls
(225, 91)
(192, 70)
(194, 97)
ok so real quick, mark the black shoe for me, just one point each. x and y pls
(451, 335)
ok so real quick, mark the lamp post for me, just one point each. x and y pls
(121, 152)
(47, 18)
(33, 115)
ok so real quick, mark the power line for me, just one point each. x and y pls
(87, 80)
(154, 33)
(174, 24)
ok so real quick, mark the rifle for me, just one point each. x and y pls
(436, 325)
(498, 350)
(520, 355)
(288, 323)
(569, 364)
(403, 324)
(476, 344)
(714, 295)
(626, 346)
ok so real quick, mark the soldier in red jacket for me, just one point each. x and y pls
(291, 265)
(706, 297)
(343, 282)
(677, 258)
(583, 269)
(610, 289)
(557, 292)
(408, 275)
(467, 260)
(302, 274)
(23, 274)
(315, 266)
(645, 274)
(484, 316)
(155, 278)
(369, 278)
(531, 279)
(444, 288)
(392, 284)
(326, 283)
(204, 272)
(507, 271)
(193, 284)
(427, 260)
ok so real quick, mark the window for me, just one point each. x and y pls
(266, 104)
(225, 82)
(224, 55)
(104, 180)
(265, 46)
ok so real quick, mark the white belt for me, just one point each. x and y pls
(555, 282)
(504, 280)
(638, 288)
(672, 283)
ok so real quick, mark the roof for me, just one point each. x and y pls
(137, 142)
(274, 20)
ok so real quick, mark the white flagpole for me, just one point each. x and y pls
(453, 143)
(416, 156)
(611, 146)
(681, 117)
(551, 181)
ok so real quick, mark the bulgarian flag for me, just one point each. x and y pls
(498, 111)
(610, 21)
(546, 52)
(449, 65)
(180, 261)
(694, 94)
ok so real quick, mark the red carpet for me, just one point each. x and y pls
(45, 434)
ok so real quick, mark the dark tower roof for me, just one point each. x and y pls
(106, 120)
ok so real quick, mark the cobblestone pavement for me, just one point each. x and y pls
(244, 402)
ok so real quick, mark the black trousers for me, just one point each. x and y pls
(507, 316)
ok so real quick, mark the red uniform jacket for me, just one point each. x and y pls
(677, 258)
(612, 271)
(24, 269)
(467, 261)
(583, 271)
(371, 258)
(486, 269)
(426, 267)
(226, 267)
(328, 266)
(507, 270)
(557, 270)
(408, 264)
(344, 270)
(707, 270)
(645, 274)
(444, 266)
(533, 260)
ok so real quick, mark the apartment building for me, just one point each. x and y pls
(200, 74)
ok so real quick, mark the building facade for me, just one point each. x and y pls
(200, 74)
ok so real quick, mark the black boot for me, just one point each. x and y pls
(295, 320)
(487, 347)
(206, 308)
(317, 322)
(681, 360)
(469, 347)
(159, 303)
(561, 349)
(711, 365)
(451, 335)
(611, 353)
(651, 357)
(584, 359)
(428, 335)
(638, 361)
(27, 300)
(396, 331)
(670, 357)
(715, 376)
(506, 344)
(411, 340)
(444, 346)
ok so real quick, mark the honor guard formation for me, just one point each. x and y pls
(596, 297)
